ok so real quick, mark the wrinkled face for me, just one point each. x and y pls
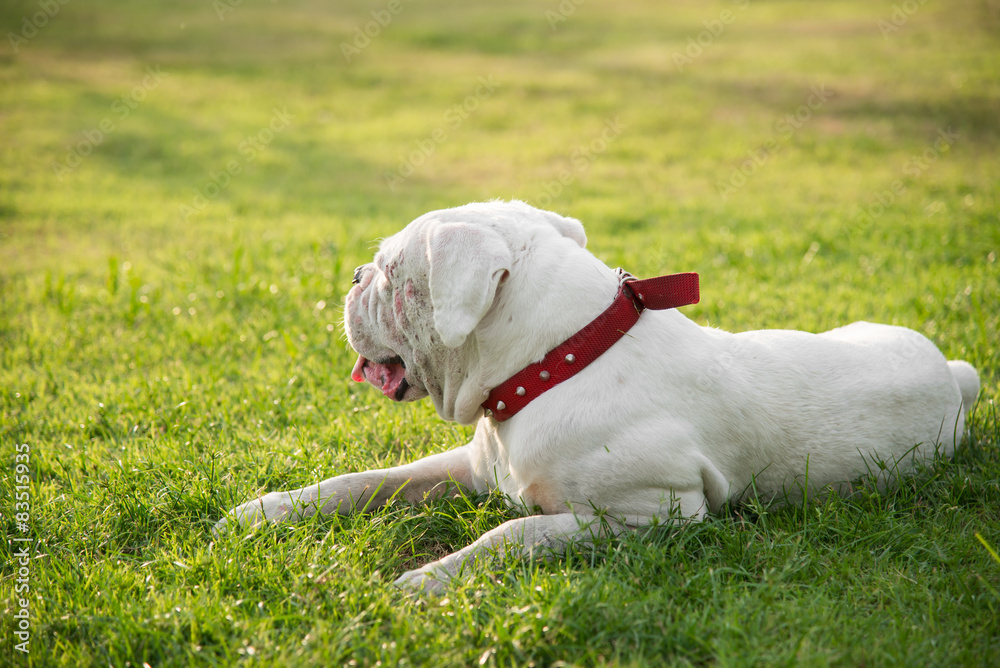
(383, 324)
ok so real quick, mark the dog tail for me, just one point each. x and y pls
(968, 381)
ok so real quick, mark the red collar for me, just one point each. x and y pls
(571, 356)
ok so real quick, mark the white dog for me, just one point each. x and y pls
(668, 423)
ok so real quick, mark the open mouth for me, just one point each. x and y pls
(388, 375)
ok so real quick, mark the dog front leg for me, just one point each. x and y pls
(434, 477)
(545, 535)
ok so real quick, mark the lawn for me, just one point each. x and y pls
(186, 188)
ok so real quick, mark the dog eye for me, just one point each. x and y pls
(357, 275)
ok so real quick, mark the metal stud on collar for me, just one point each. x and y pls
(545, 375)
(520, 391)
(501, 405)
(570, 358)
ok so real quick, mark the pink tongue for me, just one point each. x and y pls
(357, 374)
(386, 377)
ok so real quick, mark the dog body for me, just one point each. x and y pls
(670, 423)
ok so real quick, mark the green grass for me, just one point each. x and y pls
(163, 364)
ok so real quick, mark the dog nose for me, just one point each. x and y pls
(357, 275)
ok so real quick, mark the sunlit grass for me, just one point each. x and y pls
(164, 365)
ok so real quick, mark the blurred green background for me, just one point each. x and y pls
(186, 187)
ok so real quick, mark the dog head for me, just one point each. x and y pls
(417, 313)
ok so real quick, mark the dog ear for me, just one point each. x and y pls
(466, 264)
(568, 227)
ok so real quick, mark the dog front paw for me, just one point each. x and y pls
(426, 580)
(273, 507)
